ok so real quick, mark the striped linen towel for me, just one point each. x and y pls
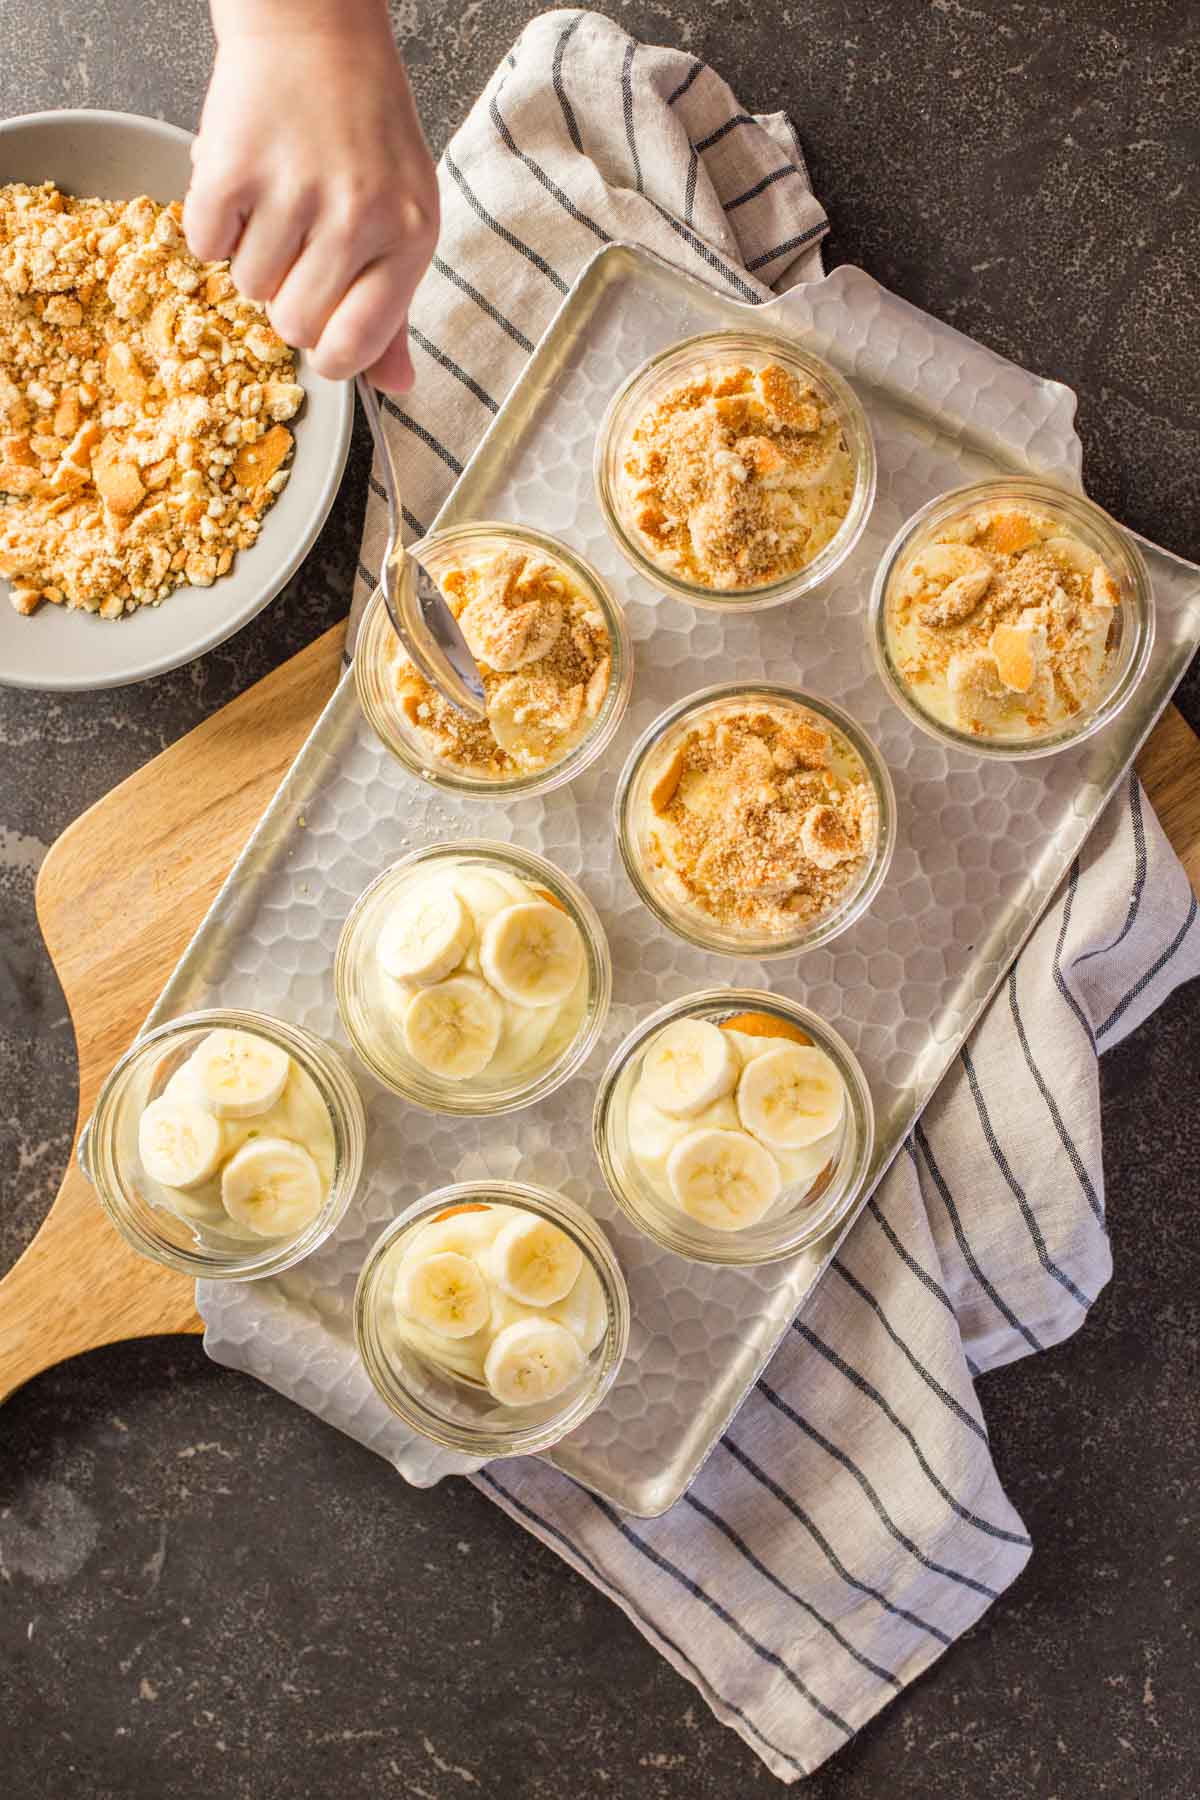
(850, 1525)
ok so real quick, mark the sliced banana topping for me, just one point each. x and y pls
(792, 1096)
(236, 1074)
(532, 1360)
(272, 1186)
(445, 1292)
(427, 935)
(723, 1179)
(453, 1029)
(502, 1297)
(535, 1261)
(532, 954)
(688, 1066)
(179, 1142)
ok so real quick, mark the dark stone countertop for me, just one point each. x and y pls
(205, 1591)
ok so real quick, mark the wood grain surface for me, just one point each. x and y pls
(119, 896)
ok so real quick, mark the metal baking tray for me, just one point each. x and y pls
(981, 848)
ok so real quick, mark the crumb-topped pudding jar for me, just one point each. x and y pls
(226, 1144)
(492, 1317)
(735, 470)
(1011, 617)
(734, 1127)
(552, 649)
(755, 820)
(473, 977)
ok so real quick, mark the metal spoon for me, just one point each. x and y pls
(419, 614)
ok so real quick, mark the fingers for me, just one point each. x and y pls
(393, 372)
(214, 214)
(364, 326)
(271, 241)
(311, 289)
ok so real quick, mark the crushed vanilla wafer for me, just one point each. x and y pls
(760, 817)
(543, 652)
(737, 477)
(142, 405)
(1004, 623)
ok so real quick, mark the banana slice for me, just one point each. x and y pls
(485, 893)
(272, 1186)
(237, 1075)
(792, 1096)
(452, 1029)
(688, 1066)
(723, 1179)
(535, 1261)
(523, 1037)
(1075, 555)
(652, 1135)
(532, 953)
(179, 1141)
(532, 1360)
(426, 935)
(446, 1292)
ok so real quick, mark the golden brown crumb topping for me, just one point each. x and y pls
(738, 477)
(1004, 622)
(142, 405)
(761, 819)
(543, 652)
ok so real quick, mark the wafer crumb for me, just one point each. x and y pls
(543, 652)
(143, 405)
(737, 477)
(761, 818)
(1004, 622)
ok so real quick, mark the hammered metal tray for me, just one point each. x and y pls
(981, 847)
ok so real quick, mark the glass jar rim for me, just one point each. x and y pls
(596, 947)
(861, 443)
(829, 925)
(1122, 546)
(492, 1441)
(733, 1249)
(376, 635)
(324, 1067)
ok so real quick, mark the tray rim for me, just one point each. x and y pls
(1064, 407)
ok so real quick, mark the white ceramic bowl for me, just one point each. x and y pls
(118, 156)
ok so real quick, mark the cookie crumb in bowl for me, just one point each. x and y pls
(142, 405)
(56, 648)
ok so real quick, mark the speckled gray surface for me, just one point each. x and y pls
(207, 1592)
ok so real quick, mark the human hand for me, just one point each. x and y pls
(310, 172)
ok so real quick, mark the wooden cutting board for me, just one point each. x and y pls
(118, 898)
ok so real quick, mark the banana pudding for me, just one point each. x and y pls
(471, 976)
(1008, 615)
(725, 1120)
(500, 1297)
(226, 1144)
(492, 1317)
(553, 655)
(734, 1127)
(753, 819)
(239, 1139)
(735, 469)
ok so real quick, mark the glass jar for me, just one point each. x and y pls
(652, 754)
(1079, 518)
(691, 359)
(368, 1000)
(802, 1214)
(453, 1409)
(375, 666)
(198, 1242)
